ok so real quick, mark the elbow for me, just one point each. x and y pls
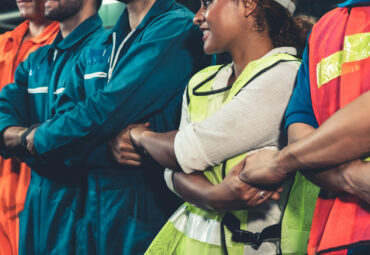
(356, 179)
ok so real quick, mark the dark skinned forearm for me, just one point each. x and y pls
(345, 136)
(194, 188)
(342, 178)
(160, 146)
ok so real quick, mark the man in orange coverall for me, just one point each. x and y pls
(15, 46)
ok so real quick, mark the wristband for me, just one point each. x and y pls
(26, 133)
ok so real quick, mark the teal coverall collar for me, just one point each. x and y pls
(123, 27)
(78, 34)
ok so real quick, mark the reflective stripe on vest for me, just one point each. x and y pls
(339, 63)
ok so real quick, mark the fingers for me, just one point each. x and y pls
(128, 158)
(131, 156)
(130, 162)
(249, 196)
(120, 147)
(262, 197)
(280, 189)
(125, 153)
(275, 196)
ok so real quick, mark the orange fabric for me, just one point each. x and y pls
(342, 221)
(15, 176)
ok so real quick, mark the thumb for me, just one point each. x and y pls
(239, 168)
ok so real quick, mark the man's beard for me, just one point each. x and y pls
(64, 11)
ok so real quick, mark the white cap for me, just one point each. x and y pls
(287, 4)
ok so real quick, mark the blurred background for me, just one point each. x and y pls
(111, 9)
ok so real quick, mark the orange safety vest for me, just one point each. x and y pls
(339, 64)
(14, 175)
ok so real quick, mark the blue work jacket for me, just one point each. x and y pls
(124, 77)
(54, 206)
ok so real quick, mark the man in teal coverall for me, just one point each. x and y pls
(136, 72)
(53, 211)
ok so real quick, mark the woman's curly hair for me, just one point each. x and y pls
(284, 29)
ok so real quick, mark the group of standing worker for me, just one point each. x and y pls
(96, 113)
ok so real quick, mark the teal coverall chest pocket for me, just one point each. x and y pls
(96, 74)
(38, 80)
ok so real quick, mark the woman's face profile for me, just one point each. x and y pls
(219, 20)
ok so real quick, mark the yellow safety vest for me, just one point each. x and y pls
(192, 230)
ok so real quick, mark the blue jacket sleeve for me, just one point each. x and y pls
(147, 76)
(300, 105)
(13, 102)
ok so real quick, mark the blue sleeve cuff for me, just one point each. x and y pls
(300, 117)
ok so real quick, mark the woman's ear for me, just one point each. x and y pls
(249, 7)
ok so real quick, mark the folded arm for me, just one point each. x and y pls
(230, 194)
(14, 117)
(135, 91)
(328, 156)
(262, 110)
(351, 177)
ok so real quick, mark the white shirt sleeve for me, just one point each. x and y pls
(185, 120)
(251, 120)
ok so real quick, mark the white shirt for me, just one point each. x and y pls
(250, 121)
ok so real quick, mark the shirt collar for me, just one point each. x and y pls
(158, 7)
(287, 50)
(351, 2)
(78, 34)
(19, 32)
(51, 29)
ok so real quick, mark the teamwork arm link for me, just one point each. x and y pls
(337, 141)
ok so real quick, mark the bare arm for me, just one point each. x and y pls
(343, 137)
(230, 194)
(195, 188)
(160, 146)
(348, 177)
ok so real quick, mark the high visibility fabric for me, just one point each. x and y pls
(192, 230)
(14, 175)
(339, 72)
(297, 219)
